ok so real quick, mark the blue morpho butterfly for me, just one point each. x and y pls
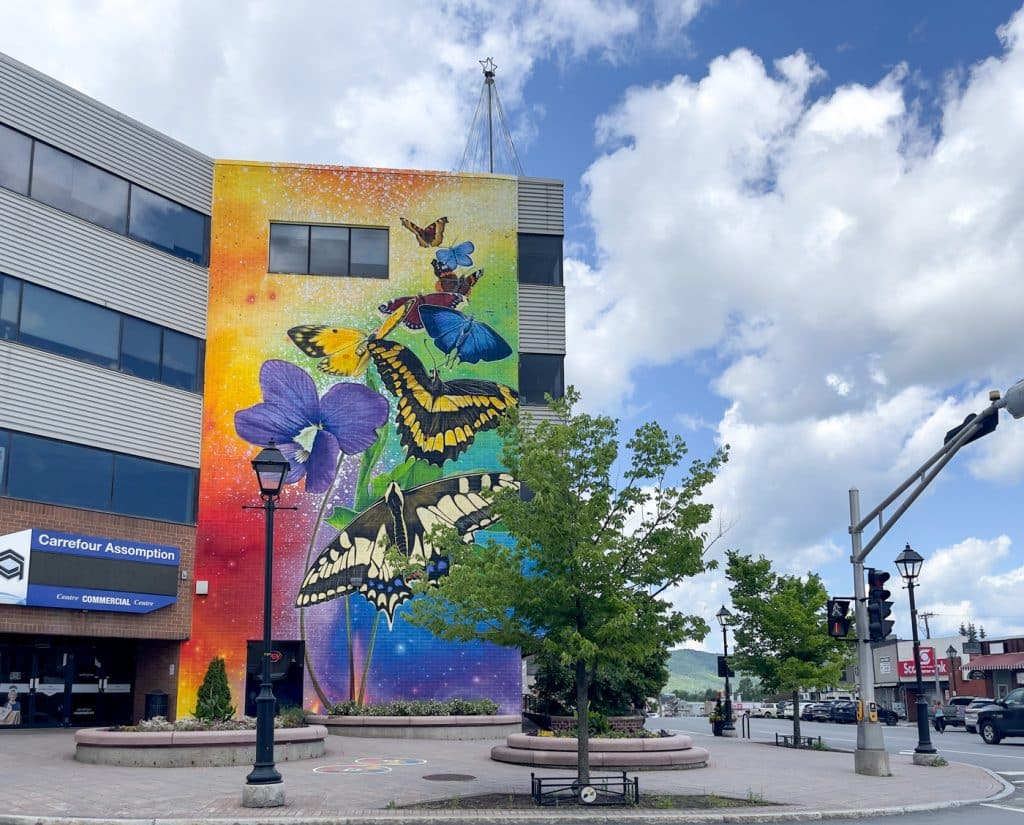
(453, 256)
(471, 340)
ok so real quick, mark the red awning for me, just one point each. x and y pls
(996, 661)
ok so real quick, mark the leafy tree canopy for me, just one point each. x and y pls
(592, 550)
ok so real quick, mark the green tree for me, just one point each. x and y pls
(780, 629)
(582, 577)
(213, 702)
(749, 689)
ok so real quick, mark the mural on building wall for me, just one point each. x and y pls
(383, 394)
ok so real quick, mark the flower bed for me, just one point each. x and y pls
(171, 748)
(422, 727)
(659, 753)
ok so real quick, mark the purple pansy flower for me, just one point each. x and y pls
(308, 430)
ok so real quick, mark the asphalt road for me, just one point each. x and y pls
(1006, 759)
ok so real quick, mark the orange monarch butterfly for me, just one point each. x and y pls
(448, 281)
(427, 236)
(343, 351)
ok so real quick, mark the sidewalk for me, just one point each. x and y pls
(44, 784)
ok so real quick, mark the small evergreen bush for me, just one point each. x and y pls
(213, 702)
(418, 707)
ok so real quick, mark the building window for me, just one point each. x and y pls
(63, 181)
(169, 226)
(72, 475)
(15, 160)
(540, 259)
(56, 322)
(540, 374)
(357, 252)
(74, 186)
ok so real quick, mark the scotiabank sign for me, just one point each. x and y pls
(48, 568)
(930, 665)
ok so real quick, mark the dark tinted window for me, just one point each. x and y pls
(289, 248)
(540, 259)
(10, 303)
(169, 226)
(140, 348)
(539, 374)
(15, 160)
(67, 326)
(151, 489)
(328, 250)
(180, 361)
(369, 253)
(59, 473)
(80, 188)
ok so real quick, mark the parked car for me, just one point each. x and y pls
(844, 712)
(809, 711)
(820, 712)
(955, 711)
(971, 713)
(1004, 717)
(765, 711)
(887, 717)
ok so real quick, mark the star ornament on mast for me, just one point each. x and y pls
(489, 67)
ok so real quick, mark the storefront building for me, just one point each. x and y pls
(122, 313)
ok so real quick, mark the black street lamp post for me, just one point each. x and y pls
(724, 618)
(951, 653)
(909, 563)
(263, 786)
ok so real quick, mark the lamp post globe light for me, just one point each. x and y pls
(909, 563)
(263, 786)
(725, 619)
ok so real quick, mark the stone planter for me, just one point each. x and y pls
(193, 748)
(661, 753)
(421, 727)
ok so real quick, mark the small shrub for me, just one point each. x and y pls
(292, 717)
(213, 702)
(417, 707)
(598, 724)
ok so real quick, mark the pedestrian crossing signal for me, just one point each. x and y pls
(838, 618)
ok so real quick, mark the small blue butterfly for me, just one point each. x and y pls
(453, 256)
(471, 340)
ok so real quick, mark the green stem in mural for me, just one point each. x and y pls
(351, 652)
(328, 496)
(369, 655)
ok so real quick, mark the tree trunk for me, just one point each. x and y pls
(796, 718)
(582, 723)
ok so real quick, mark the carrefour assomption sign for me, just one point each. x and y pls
(50, 568)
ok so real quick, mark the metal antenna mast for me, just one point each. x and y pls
(473, 158)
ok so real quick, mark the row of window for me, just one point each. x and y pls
(362, 252)
(358, 252)
(55, 322)
(70, 475)
(46, 174)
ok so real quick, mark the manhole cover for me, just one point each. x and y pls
(449, 777)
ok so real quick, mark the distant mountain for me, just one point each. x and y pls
(693, 670)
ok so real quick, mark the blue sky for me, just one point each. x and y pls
(793, 227)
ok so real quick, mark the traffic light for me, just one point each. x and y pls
(838, 618)
(879, 606)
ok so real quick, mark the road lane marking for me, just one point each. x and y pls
(1002, 807)
(970, 753)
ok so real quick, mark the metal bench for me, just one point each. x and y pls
(785, 740)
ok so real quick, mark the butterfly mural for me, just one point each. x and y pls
(427, 236)
(412, 318)
(449, 281)
(437, 420)
(451, 257)
(343, 351)
(471, 340)
(356, 559)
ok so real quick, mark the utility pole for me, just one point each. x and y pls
(926, 617)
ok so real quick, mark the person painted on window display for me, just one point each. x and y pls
(10, 712)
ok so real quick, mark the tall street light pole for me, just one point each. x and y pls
(871, 757)
(951, 653)
(263, 785)
(724, 618)
(909, 563)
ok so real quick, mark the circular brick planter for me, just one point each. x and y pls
(193, 748)
(662, 753)
(422, 727)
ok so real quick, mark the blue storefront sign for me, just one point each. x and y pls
(50, 568)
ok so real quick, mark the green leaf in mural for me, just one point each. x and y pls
(341, 517)
(410, 473)
(364, 495)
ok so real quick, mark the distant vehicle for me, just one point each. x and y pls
(887, 717)
(844, 712)
(956, 710)
(971, 713)
(765, 711)
(1004, 717)
(815, 712)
